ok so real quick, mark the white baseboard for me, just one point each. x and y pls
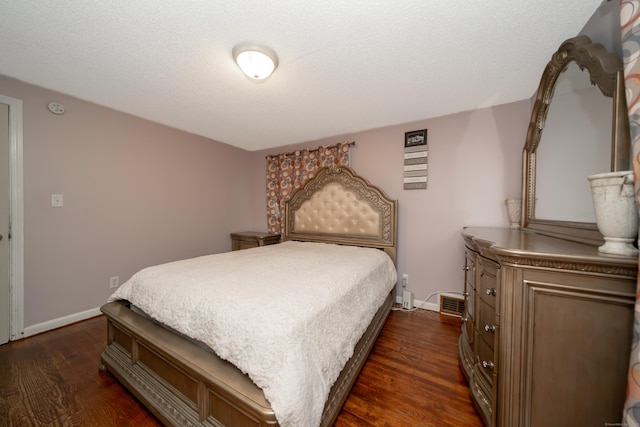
(60, 322)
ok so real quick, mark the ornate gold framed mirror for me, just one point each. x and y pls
(579, 127)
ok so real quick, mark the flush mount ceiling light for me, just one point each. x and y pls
(256, 61)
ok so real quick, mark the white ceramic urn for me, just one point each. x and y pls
(514, 209)
(616, 211)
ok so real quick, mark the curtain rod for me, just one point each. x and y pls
(350, 144)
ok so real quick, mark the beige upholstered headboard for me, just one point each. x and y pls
(338, 206)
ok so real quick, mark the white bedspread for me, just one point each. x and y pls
(288, 315)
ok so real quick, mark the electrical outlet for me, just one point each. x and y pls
(114, 282)
(405, 280)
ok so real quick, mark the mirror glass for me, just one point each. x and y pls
(576, 143)
(579, 127)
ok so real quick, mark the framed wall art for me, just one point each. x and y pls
(415, 160)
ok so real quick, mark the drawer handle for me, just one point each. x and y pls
(465, 268)
(488, 365)
(465, 294)
(491, 291)
(464, 320)
(490, 328)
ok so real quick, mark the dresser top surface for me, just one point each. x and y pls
(509, 242)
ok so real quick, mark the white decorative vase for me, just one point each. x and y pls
(514, 209)
(616, 211)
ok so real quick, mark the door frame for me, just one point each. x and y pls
(16, 215)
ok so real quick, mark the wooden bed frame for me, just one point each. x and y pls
(184, 384)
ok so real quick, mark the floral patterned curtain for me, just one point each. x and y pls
(287, 172)
(630, 26)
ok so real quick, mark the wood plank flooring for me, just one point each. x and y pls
(411, 378)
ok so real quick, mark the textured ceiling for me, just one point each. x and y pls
(345, 66)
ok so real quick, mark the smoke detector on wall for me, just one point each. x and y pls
(56, 108)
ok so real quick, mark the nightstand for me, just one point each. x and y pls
(252, 239)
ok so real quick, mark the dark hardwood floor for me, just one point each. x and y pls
(412, 378)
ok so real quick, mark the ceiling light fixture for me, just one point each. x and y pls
(256, 61)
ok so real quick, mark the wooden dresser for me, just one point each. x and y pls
(546, 336)
(252, 239)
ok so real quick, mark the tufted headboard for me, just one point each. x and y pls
(338, 206)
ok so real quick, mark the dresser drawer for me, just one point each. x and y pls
(469, 301)
(467, 356)
(487, 323)
(470, 270)
(468, 326)
(486, 360)
(469, 294)
(488, 287)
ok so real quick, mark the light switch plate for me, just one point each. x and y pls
(56, 200)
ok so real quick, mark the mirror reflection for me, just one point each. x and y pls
(575, 144)
(579, 127)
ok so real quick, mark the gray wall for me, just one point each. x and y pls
(136, 193)
(474, 165)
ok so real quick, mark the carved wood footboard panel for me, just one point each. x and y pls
(186, 385)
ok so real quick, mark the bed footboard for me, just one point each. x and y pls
(181, 383)
(185, 385)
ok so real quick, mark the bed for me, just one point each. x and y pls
(183, 382)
